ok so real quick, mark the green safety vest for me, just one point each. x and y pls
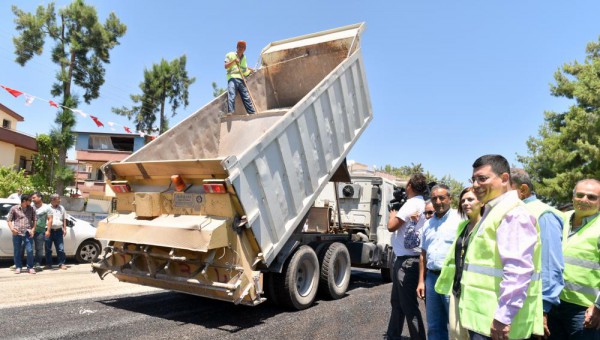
(444, 283)
(482, 274)
(234, 71)
(582, 263)
(537, 208)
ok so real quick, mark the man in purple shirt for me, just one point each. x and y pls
(513, 230)
(21, 222)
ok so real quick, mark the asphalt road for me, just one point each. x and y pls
(110, 309)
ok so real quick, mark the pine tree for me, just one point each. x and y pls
(81, 48)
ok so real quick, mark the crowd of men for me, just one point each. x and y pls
(36, 225)
(504, 266)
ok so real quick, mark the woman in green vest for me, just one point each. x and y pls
(449, 281)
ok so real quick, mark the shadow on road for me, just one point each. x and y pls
(224, 316)
(191, 309)
(365, 279)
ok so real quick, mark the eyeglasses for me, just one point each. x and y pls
(591, 197)
(435, 198)
(479, 179)
(429, 212)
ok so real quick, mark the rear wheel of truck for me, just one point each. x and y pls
(335, 271)
(270, 288)
(300, 279)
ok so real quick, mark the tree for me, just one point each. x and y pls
(164, 81)
(81, 48)
(11, 180)
(46, 172)
(217, 91)
(568, 146)
(406, 171)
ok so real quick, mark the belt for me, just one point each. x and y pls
(406, 256)
(436, 272)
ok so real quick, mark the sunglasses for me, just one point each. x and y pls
(429, 212)
(591, 197)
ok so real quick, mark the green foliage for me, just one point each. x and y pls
(567, 147)
(81, 48)
(406, 171)
(45, 163)
(164, 81)
(11, 180)
(217, 91)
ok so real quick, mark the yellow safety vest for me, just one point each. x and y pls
(582, 263)
(234, 71)
(444, 283)
(482, 274)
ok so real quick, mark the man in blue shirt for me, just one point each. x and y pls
(550, 223)
(438, 235)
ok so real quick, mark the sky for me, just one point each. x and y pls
(449, 80)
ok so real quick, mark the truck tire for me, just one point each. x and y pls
(299, 280)
(270, 288)
(335, 271)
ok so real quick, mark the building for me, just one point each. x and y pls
(16, 148)
(94, 149)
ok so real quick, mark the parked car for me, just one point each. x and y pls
(79, 241)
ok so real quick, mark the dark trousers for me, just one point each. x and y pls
(238, 85)
(404, 299)
(565, 322)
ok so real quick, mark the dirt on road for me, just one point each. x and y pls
(57, 285)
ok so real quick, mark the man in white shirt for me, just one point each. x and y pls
(439, 233)
(406, 242)
(16, 195)
(55, 233)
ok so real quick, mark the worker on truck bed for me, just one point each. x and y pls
(234, 61)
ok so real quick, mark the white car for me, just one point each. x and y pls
(79, 242)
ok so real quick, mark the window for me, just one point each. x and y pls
(122, 143)
(22, 163)
(99, 175)
(89, 169)
(6, 123)
(100, 143)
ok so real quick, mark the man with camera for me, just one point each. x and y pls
(405, 242)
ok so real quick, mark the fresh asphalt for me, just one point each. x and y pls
(156, 314)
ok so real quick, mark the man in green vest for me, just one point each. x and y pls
(237, 70)
(578, 315)
(550, 223)
(501, 291)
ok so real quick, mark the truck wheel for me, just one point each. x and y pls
(300, 279)
(270, 288)
(335, 271)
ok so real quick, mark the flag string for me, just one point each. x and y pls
(29, 99)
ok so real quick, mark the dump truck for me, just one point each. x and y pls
(361, 208)
(222, 205)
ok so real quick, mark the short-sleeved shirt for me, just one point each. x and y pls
(42, 214)
(22, 219)
(58, 216)
(412, 206)
(438, 236)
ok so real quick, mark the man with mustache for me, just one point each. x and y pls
(578, 315)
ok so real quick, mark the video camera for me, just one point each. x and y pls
(399, 199)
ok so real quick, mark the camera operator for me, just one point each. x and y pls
(405, 242)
